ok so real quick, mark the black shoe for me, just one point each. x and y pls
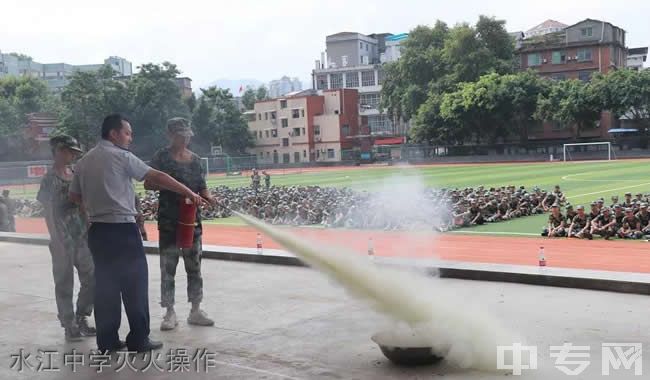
(72, 333)
(121, 345)
(84, 328)
(149, 345)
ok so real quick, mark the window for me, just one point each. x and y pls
(587, 32)
(296, 132)
(336, 81)
(295, 113)
(285, 141)
(304, 154)
(316, 130)
(268, 154)
(266, 115)
(345, 130)
(317, 153)
(330, 153)
(285, 122)
(369, 101)
(367, 78)
(558, 57)
(321, 82)
(266, 133)
(302, 112)
(274, 133)
(379, 124)
(584, 55)
(352, 80)
(380, 76)
(584, 76)
(534, 59)
(261, 155)
(273, 116)
(286, 158)
(360, 45)
(259, 116)
(296, 156)
(283, 104)
(344, 60)
(303, 132)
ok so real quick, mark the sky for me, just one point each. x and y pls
(261, 39)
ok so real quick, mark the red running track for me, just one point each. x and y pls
(615, 255)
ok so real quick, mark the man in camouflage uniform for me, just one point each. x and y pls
(579, 227)
(644, 217)
(555, 226)
(185, 167)
(11, 210)
(5, 224)
(267, 180)
(255, 181)
(631, 226)
(604, 224)
(68, 241)
(139, 219)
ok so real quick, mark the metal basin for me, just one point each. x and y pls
(415, 355)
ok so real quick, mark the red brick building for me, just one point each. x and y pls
(575, 52)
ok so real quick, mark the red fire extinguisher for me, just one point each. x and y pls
(186, 223)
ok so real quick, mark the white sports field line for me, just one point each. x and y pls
(610, 190)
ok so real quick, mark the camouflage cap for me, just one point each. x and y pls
(555, 205)
(65, 141)
(580, 207)
(618, 206)
(644, 205)
(629, 209)
(179, 126)
(628, 194)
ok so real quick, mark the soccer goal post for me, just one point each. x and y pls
(606, 145)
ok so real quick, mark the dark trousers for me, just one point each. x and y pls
(121, 275)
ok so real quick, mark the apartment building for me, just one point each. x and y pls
(309, 126)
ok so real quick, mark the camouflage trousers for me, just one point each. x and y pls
(65, 257)
(169, 256)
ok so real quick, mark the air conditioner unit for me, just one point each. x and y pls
(544, 61)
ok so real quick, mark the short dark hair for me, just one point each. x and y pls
(112, 122)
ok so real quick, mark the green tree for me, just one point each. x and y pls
(20, 96)
(625, 93)
(519, 96)
(262, 93)
(154, 99)
(248, 99)
(572, 103)
(218, 121)
(87, 99)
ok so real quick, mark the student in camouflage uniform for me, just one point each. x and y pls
(11, 210)
(68, 247)
(5, 225)
(267, 180)
(255, 180)
(139, 219)
(555, 226)
(644, 217)
(184, 166)
(604, 224)
(631, 226)
(579, 227)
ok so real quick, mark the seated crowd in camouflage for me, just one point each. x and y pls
(344, 207)
(628, 219)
